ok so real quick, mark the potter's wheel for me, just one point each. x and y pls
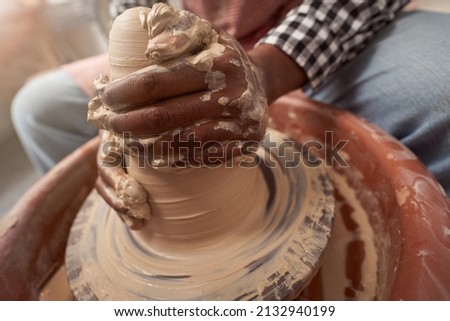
(106, 261)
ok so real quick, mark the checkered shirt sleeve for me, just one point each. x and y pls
(322, 35)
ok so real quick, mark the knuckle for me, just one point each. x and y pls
(148, 81)
(159, 119)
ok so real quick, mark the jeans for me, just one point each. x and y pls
(399, 82)
(49, 114)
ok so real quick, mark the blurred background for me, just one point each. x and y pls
(37, 35)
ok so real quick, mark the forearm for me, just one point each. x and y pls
(320, 36)
(280, 72)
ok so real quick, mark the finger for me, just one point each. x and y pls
(224, 130)
(217, 141)
(220, 134)
(108, 194)
(122, 192)
(171, 114)
(127, 190)
(144, 87)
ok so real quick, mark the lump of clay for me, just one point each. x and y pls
(139, 38)
(143, 38)
(138, 42)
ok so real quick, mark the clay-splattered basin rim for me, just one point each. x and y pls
(416, 211)
(33, 235)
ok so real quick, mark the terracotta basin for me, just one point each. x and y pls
(407, 209)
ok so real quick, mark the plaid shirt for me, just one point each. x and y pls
(320, 35)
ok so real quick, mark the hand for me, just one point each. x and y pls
(191, 94)
(121, 191)
(216, 95)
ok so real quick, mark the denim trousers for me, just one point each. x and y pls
(400, 82)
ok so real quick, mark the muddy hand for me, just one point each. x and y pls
(212, 93)
(121, 191)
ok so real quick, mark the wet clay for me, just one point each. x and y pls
(156, 39)
(350, 267)
(267, 247)
(242, 230)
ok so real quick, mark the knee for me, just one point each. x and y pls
(33, 104)
(30, 104)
